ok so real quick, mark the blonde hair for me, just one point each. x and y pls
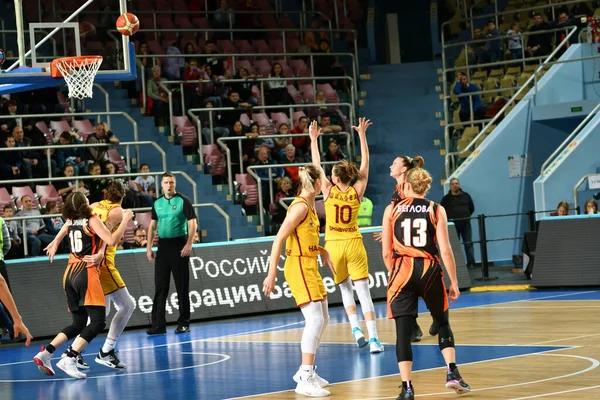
(419, 179)
(564, 205)
(593, 203)
(308, 175)
(347, 172)
(283, 180)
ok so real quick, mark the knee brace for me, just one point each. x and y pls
(445, 335)
(364, 295)
(347, 293)
(313, 314)
(79, 322)
(95, 327)
(404, 326)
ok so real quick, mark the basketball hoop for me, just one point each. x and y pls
(78, 72)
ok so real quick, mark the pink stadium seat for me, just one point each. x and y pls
(245, 120)
(280, 118)
(20, 191)
(60, 126)
(183, 22)
(261, 46)
(216, 159)
(4, 199)
(261, 119)
(115, 157)
(252, 194)
(84, 127)
(292, 44)
(225, 46)
(296, 95)
(320, 208)
(128, 236)
(189, 136)
(181, 121)
(308, 92)
(144, 219)
(300, 67)
(154, 47)
(47, 193)
(243, 46)
(276, 45)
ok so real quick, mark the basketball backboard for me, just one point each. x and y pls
(62, 29)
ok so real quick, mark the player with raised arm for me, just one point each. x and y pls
(343, 240)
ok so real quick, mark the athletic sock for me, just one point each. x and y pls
(372, 328)
(354, 321)
(306, 371)
(72, 353)
(407, 385)
(50, 349)
(451, 367)
(109, 345)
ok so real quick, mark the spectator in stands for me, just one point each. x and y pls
(34, 163)
(301, 143)
(160, 100)
(11, 162)
(231, 116)
(269, 142)
(290, 158)
(248, 20)
(540, 44)
(145, 187)
(285, 190)
(189, 49)
(54, 224)
(245, 88)
(267, 175)
(190, 89)
(16, 250)
(110, 168)
(327, 126)
(562, 209)
(216, 63)
(334, 153)
(564, 22)
(97, 185)
(102, 135)
(313, 36)
(34, 228)
(224, 16)
(462, 87)
(140, 239)
(515, 43)
(217, 124)
(64, 188)
(143, 51)
(237, 130)
(211, 88)
(75, 156)
(495, 52)
(459, 207)
(478, 51)
(282, 142)
(324, 66)
(591, 207)
(277, 92)
(171, 66)
(314, 112)
(7, 124)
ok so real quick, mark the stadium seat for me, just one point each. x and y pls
(84, 128)
(5, 199)
(144, 219)
(261, 119)
(47, 193)
(115, 157)
(20, 191)
(280, 118)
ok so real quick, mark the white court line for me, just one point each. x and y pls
(595, 364)
(414, 372)
(564, 391)
(562, 340)
(536, 308)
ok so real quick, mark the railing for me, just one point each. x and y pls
(239, 139)
(106, 102)
(501, 111)
(24, 219)
(261, 82)
(107, 113)
(86, 145)
(560, 62)
(234, 56)
(566, 142)
(259, 180)
(576, 189)
(282, 201)
(170, 105)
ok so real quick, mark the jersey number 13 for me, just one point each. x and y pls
(417, 226)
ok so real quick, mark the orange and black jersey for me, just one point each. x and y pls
(398, 194)
(414, 224)
(83, 240)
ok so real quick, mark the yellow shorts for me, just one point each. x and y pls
(110, 278)
(349, 259)
(303, 277)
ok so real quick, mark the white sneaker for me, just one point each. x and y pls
(110, 360)
(376, 346)
(311, 388)
(359, 336)
(69, 366)
(320, 381)
(43, 359)
(80, 363)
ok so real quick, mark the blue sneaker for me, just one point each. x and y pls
(376, 346)
(359, 336)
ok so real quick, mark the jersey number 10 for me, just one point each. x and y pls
(343, 214)
(418, 224)
(76, 242)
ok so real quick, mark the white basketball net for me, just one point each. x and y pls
(79, 75)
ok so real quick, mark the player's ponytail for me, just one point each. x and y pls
(308, 175)
(115, 191)
(420, 180)
(410, 163)
(76, 206)
(347, 172)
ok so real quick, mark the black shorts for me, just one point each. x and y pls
(412, 278)
(82, 286)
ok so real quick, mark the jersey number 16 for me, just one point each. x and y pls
(76, 242)
(420, 226)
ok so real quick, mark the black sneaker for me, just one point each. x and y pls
(417, 334)
(156, 330)
(406, 394)
(80, 363)
(182, 329)
(109, 360)
(456, 382)
(433, 329)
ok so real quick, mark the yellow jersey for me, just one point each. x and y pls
(101, 210)
(304, 241)
(341, 214)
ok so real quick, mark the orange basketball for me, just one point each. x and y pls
(128, 24)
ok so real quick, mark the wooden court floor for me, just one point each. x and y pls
(570, 371)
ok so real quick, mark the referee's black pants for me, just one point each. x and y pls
(169, 260)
